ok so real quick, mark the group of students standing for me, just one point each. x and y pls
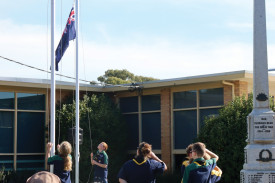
(200, 166)
(143, 168)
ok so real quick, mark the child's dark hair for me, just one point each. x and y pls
(144, 149)
(189, 149)
(199, 148)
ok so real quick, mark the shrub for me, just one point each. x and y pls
(3, 175)
(19, 176)
(226, 134)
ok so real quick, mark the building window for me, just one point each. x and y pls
(207, 113)
(150, 102)
(151, 131)
(129, 104)
(142, 115)
(22, 130)
(6, 131)
(29, 101)
(190, 108)
(186, 99)
(185, 128)
(211, 97)
(6, 100)
(30, 126)
(132, 130)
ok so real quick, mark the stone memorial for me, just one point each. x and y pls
(259, 165)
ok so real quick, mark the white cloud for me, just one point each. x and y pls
(233, 2)
(166, 61)
(159, 57)
(240, 26)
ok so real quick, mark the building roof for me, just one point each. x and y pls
(242, 75)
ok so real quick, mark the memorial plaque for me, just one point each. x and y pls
(257, 177)
(263, 127)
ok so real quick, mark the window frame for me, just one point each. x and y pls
(197, 108)
(139, 113)
(15, 124)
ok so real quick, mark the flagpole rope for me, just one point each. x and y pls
(69, 77)
(32, 67)
(88, 113)
(47, 58)
(60, 78)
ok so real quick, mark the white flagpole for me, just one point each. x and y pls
(52, 136)
(77, 96)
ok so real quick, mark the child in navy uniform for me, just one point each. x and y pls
(143, 168)
(215, 173)
(100, 162)
(188, 159)
(200, 170)
(62, 162)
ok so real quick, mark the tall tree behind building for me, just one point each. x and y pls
(122, 77)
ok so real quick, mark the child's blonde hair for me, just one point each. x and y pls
(105, 146)
(64, 150)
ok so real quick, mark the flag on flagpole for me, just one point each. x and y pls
(68, 34)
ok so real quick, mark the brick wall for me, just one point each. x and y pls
(240, 89)
(166, 126)
(227, 94)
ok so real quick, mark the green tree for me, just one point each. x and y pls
(100, 119)
(121, 77)
(226, 134)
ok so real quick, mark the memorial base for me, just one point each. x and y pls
(257, 176)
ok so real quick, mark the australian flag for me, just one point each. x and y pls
(68, 34)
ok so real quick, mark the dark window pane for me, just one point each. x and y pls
(6, 100)
(132, 130)
(130, 156)
(186, 99)
(185, 128)
(6, 132)
(151, 131)
(211, 97)
(129, 104)
(207, 113)
(7, 162)
(33, 162)
(179, 158)
(29, 101)
(30, 132)
(150, 102)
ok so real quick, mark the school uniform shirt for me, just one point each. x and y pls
(58, 163)
(199, 171)
(185, 163)
(216, 174)
(141, 172)
(102, 158)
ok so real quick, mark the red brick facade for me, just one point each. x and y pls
(166, 126)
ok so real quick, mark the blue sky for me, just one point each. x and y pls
(158, 38)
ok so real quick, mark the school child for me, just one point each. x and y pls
(200, 169)
(62, 162)
(188, 159)
(143, 168)
(100, 163)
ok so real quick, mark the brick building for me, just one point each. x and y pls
(166, 113)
